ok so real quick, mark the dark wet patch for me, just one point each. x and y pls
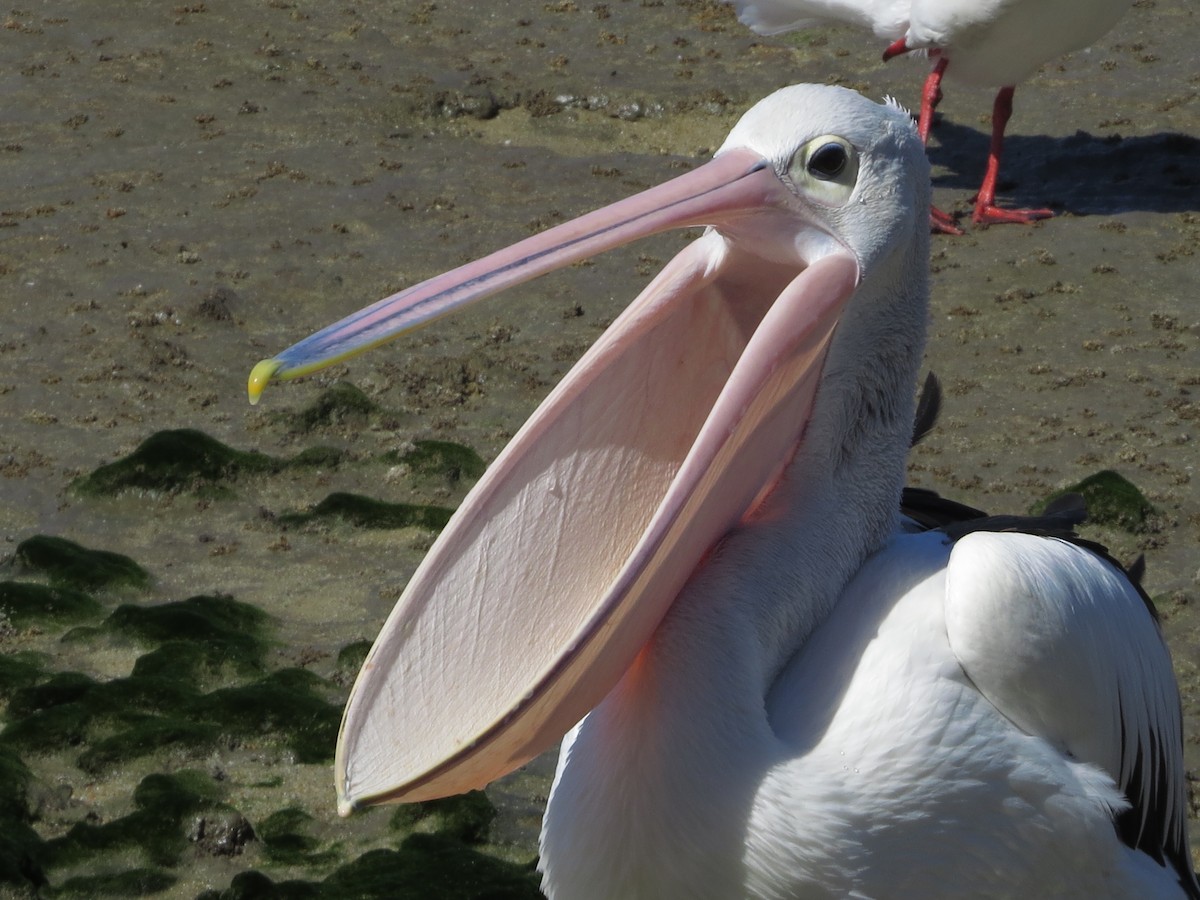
(1111, 500)
(29, 604)
(65, 563)
(183, 460)
(365, 512)
(452, 461)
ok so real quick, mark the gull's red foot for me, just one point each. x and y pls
(942, 222)
(989, 214)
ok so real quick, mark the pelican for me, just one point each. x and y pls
(690, 562)
(984, 43)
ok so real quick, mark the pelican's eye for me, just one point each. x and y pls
(828, 161)
(826, 168)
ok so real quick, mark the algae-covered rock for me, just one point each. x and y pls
(67, 563)
(28, 604)
(454, 462)
(141, 882)
(365, 512)
(175, 461)
(1111, 500)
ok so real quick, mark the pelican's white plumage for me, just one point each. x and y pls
(986, 43)
(793, 690)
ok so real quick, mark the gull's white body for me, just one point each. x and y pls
(694, 546)
(991, 43)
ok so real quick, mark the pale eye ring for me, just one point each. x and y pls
(828, 161)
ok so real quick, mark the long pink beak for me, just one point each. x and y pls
(562, 561)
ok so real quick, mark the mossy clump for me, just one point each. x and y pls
(162, 702)
(66, 563)
(182, 460)
(286, 841)
(467, 816)
(28, 604)
(317, 458)
(365, 512)
(287, 703)
(19, 670)
(21, 849)
(157, 828)
(433, 867)
(339, 403)
(1111, 500)
(351, 657)
(142, 882)
(454, 462)
(222, 630)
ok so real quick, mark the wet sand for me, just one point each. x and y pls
(190, 188)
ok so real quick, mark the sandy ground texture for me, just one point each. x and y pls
(187, 188)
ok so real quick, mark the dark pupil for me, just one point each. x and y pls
(828, 162)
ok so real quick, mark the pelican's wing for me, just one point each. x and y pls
(1062, 643)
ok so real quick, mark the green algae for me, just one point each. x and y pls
(156, 827)
(222, 631)
(178, 461)
(425, 867)
(455, 462)
(130, 883)
(20, 845)
(366, 512)
(68, 564)
(284, 838)
(432, 867)
(1111, 500)
(19, 670)
(320, 457)
(29, 604)
(466, 816)
(351, 657)
(286, 704)
(161, 703)
(338, 404)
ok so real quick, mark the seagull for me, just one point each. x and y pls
(691, 563)
(984, 43)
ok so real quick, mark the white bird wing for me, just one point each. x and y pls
(888, 19)
(1068, 648)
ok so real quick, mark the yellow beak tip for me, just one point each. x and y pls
(260, 377)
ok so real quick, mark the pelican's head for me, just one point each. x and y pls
(672, 427)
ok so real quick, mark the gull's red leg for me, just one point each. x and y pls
(986, 211)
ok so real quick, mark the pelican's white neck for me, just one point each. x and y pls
(696, 697)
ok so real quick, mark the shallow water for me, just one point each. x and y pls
(187, 189)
